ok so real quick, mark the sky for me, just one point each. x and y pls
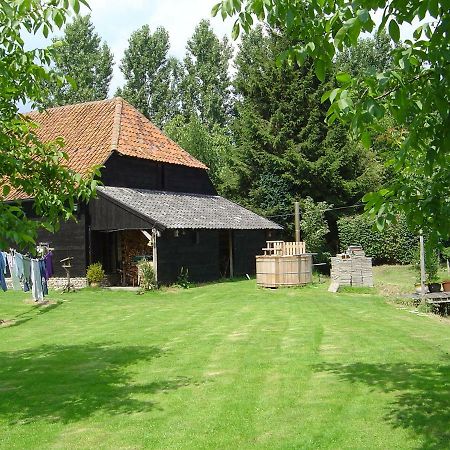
(115, 20)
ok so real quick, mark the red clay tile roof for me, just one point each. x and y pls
(93, 130)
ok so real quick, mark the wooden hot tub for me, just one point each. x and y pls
(284, 264)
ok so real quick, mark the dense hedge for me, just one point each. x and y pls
(394, 245)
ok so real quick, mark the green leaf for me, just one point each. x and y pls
(76, 6)
(340, 35)
(333, 94)
(366, 139)
(229, 7)
(319, 69)
(343, 77)
(6, 190)
(281, 58)
(59, 19)
(343, 104)
(215, 9)
(325, 96)
(85, 3)
(394, 31)
(7, 9)
(235, 31)
(363, 15)
(380, 223)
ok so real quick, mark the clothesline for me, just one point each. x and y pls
(27, 273)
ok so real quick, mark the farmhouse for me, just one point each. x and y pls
(156, 201)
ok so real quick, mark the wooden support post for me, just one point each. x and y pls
(155, 253)
(422, 267)
(297, 221)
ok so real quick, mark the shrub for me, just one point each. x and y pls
(183, 279)
(396, 244)
(147, 275)
(431, 265)
(95, 273)
(445, 253)
(314, 227)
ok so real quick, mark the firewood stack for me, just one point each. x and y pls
(134, 243)
(352, 268)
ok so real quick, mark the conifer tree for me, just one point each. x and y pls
(285, 150)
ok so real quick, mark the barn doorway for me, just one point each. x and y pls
(226, 253)
(119, 253)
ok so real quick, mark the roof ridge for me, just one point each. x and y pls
(116, 123)
(160, 131)
(70, 106)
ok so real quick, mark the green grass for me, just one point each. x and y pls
(222, 366)
(393, 280)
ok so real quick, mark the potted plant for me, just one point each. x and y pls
(446, 256)
(434, 285)
(95, 274)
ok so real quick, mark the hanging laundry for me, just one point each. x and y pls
(43, 277)
(36, 280)
(48, 258)
(4, 254)
(13, 271)
(18, 259)
(26, 273)
(3, 271)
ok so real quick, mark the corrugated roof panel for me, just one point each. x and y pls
(184, 210)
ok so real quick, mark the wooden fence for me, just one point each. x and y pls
(281, 248)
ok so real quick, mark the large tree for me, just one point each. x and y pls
(370, 54)
(415, 91)
(206, 87)
(81, 56)
(151, 76)
(211, 146)
(285, 150)
(27, 165)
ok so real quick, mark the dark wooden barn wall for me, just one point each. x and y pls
(123, 171)
(201, 259)
(69, 240)
(187, 179)
(107, 216)
(246, 245)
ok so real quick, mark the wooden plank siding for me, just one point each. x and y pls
(123, 171)
(246, 245)
(69, 240)
(200, 257)
(107, 216)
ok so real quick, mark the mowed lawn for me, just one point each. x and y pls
(222, 366)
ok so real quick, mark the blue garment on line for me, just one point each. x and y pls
(18, 258)
(43, 276)
(2, 271)
(13, 271)
(36, 279)
(5, 260)
(26, 273)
